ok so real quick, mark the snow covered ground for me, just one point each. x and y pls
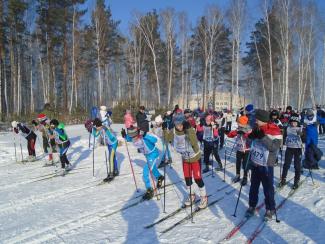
(75, 209)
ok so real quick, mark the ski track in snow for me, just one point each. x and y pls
(74, 209)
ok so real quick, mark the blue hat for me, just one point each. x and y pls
(249, 108)
(178, 118)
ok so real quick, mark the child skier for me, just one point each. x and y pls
(158, 131)
(210, 142)
(242, 145)
(267, 139)
(110, 140)
(146, 144)
(63, 142)
(105, 116)
(30, 136)
(294, 150)
(185, 142)
(128, 119)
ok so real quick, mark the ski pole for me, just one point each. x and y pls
(190, 171)
(165, 187)
(311, 176)
(224, 168)
(127, 149)
(89, 140)
(241, 185)
(94, 157)
(106, 162)
(15, 145)
(281, 162)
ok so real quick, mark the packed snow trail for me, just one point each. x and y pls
(38, 208)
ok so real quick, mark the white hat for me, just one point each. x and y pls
(14, 124)
(169, 112)
(103, 108)
(158, 119)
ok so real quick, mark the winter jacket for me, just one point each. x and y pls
(61, 138)
(146, 144)
(311, 134)
(251, 119)
(128, 120)
(264, 151)
(285, 118)
(185, 143)
(23, 130)
(242, 142)
(107, 134)
(142, 122)
(191, 121)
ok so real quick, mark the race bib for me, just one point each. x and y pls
(207, 133)
(259, 154)
(240, 144)
(293, 141)
(139, 145)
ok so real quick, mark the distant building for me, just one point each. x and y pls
(222, 101)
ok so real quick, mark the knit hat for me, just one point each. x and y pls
(249, 108)
(262, 115)
(187, 111)
(103, 108)
(14, 124)
(294, 118)
(274, 113)
(158, 119)
(54, 122)
(41, 117)
(178, 118)
(289, 108)
(209, 118)
(97, 122)
(242, 120)
(310, 114)
(133, 131)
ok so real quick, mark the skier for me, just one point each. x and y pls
(128, 119)
(221, 122)
(63, 142)
(30, 136)
(267, 139)
(228, 120)
(321, 120)
(189, 117)
(185, 142)
(146, 144)
(310, 124)
(42, 124)
(210, 142)
(242, 145)
(275, 118)
(294, 145)
(110, 140)
(105, 116)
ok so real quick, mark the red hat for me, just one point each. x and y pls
(41, 117)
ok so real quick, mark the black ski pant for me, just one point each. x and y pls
(46, 144)
(292, 153)
(222, 136)
(241, 161)
(63, 153)
(262, 175)
(31, 140)
(211, 147)
(321, 129)
(228, 126)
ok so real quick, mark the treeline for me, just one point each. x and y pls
(50, 54)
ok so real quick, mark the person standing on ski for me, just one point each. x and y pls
(30, 136)
(105, 116)
(242, 146)
(110, 140)
(185, 142)
(146, 144)
(228, 120)
(63, 142)
(128, 119)
(210, 142)
(267, 139)
(294, 150)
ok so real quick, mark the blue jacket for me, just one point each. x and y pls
(146, 144)
(311, 135)
(107, 134)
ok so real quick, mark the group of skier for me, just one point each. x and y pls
(260, 136)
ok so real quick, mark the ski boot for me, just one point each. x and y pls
(250, 212)
(68, 167)
(283, 182)
(268, 215)
(206, 170)
(204, 202)
(244, 181)
(295, 185)
(116, 173)
(160, 181)
(220, 167)
(189, 200)
(236, 179)
(31, 158)
(148, 195)
(109, 178)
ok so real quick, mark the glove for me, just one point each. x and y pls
(256, 134)
(123, 133)
(240, 132)
(164, 125)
